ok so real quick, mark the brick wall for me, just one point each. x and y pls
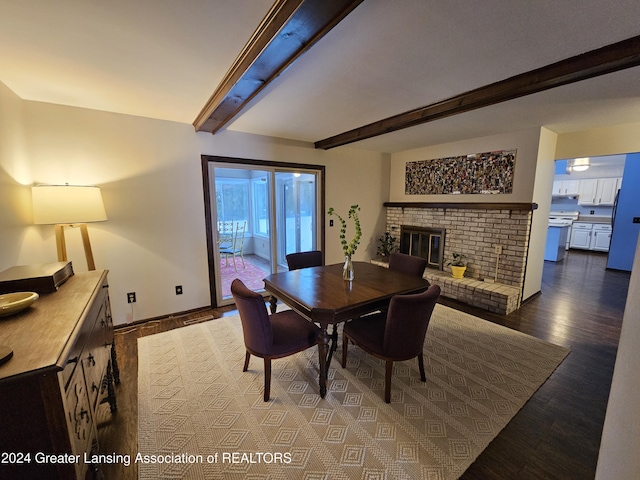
(475, 233)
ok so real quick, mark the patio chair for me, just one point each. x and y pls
(397, 336)
(236, 248)
(270, 336)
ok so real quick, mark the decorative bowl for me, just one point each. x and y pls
(11, 303)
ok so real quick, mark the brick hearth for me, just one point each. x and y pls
(475, 232)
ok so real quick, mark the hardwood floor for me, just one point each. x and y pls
(557, 433)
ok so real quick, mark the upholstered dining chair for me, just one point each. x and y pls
(270, 336)
(397, 336)
(299, 260)
(409, 264)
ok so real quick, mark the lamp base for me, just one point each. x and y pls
(62, 246)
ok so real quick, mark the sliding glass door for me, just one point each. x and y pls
(296, 213)
(256, 215)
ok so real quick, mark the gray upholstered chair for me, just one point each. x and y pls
(409, 264)
(270, 336)
(299, 260)
(394, 337)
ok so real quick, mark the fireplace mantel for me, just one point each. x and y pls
(465, 205)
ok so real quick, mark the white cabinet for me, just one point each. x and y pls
(589, 236)
(601, 237)
(565, 188)
(588, 191)
(581, 235)
(598, 191)
(607, 189)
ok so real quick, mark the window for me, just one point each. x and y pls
(232, 197)
(260, 207)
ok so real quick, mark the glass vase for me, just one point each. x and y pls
(347, 269)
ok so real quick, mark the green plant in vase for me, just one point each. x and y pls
(349, 248)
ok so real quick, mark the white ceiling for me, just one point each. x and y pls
(164, 58)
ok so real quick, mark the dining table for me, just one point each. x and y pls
(321, 295)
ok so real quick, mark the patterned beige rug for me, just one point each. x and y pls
(201, 417)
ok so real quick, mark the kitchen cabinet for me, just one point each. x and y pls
(600, 238)
(566, 188)
(598, 191)
(63, 368)
(581, 235)
(589, 236)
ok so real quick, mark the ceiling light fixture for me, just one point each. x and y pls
(580, 164)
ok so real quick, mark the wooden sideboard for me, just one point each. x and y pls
(63, 368)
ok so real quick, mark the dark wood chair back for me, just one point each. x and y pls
(409, 264)
(299, 260)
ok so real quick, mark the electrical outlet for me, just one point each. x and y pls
(178, 289)
(498, 249)
(636, 219)
(131, 297)
(331, 222)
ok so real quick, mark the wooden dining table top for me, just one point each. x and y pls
(321, 294)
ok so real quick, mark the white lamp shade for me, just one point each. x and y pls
(64, 204)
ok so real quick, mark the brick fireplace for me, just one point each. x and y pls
(474, 230)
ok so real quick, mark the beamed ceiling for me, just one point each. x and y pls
(372, 74)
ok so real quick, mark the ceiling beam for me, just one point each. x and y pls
(290, 28)
(612, 58)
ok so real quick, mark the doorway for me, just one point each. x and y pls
(257, 213)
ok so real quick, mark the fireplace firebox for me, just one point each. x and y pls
(423, 242)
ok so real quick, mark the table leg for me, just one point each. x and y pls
(323, 350)
(273, 304)
(334, 344)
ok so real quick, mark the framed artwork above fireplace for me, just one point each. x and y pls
(486, 173)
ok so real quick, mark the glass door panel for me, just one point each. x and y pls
(240, 215)
(296, 214)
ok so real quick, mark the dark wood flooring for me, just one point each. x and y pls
(557, 433)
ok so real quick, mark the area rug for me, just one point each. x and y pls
(201, 417)
(251, 275)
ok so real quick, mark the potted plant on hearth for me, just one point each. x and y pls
(387, 244)
(458, 265)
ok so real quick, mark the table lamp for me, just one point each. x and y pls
(68, 205)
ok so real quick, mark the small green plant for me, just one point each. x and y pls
(349, 248)
(387, 244)
(457, 260)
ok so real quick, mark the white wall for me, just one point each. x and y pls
(15, 178)
(534, 148)
(542, 190)
(621, 433)
(600, 141)
(150, 175)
